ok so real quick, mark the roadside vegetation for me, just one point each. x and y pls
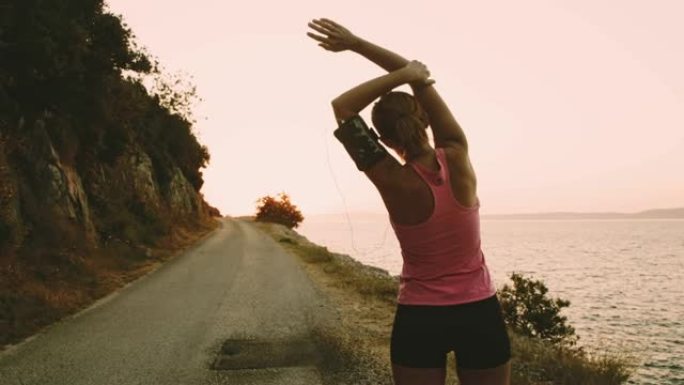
(544, 345)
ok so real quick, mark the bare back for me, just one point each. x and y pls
(409, 199)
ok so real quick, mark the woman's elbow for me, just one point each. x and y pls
(335, 104)
(341, 112)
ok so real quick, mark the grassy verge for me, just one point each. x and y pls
(357, 345)
(45, 286)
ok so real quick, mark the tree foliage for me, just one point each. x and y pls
(77, 69)
(529, 311)
(174, 91)
(278, 210)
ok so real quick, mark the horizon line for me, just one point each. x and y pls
(559, 212)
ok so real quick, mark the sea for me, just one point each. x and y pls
(624, 278)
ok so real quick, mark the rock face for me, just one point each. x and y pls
(64, 192)
(138, 172)
(11, 226)
(181, 196)
(39, 186)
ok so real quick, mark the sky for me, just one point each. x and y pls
(567, 105)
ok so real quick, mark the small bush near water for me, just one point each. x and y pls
(544, 345)
(529, 312)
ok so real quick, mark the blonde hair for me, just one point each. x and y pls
(399, 117)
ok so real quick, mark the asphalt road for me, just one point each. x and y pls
(168, 327)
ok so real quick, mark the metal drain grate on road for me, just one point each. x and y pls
(258, 354)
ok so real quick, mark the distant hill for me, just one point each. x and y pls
(674, 213)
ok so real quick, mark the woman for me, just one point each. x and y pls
(447, 301)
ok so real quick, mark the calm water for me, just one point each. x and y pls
(624, 278)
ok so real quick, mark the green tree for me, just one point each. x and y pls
(529, 311)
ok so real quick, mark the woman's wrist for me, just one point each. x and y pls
(408, 76)
(416, 74)
(419, 85)
(359, 46)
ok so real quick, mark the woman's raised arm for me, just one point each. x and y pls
(356, 99)
(336, 38)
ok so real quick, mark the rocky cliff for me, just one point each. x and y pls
(38, 189)
(99, 175)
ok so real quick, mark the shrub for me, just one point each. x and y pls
(528, 311)
(281, 210)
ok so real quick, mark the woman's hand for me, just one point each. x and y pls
(335, 37)
(417, 74)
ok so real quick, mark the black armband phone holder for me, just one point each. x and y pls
(361, 142)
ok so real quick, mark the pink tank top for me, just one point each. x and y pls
(443, 259)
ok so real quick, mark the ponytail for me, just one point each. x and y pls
(410, 133)
(399, 117)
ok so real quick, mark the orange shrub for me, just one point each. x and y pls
(281, 210)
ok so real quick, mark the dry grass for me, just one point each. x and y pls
(46, 285)
(536, 362)
(372, 283)
(358, 343)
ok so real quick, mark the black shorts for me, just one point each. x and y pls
(422, 335)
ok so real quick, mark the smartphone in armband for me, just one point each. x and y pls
(361, 142)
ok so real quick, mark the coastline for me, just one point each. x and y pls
(365, 299)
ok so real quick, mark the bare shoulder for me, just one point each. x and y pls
(460, 167)
(387, 174)
(405, 195)
(456, 153)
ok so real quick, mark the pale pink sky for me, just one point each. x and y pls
(568, 105)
